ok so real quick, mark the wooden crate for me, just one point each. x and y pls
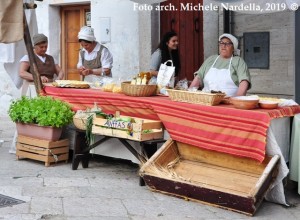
(132, 131)
(42, 150)
(218, 179)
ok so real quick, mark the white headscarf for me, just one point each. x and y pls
(234, 41)
(86, 33)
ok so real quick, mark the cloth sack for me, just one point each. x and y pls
(165, 76)
(11, 21)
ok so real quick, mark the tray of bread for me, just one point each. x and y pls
(71, 84)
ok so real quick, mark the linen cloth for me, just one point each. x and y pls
(295, 152)
(11, 21)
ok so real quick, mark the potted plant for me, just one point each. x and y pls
(40, 117)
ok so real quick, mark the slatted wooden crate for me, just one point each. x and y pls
(128, 130)
(218, 179)
(42, 150)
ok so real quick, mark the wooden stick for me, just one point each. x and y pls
(35, 73)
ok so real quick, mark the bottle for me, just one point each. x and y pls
(95, 108)
(144, 80)
(139, 80)
(133, 81)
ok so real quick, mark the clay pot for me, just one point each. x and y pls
(268, 104)
(244, 102)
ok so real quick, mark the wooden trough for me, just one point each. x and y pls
(218, 179)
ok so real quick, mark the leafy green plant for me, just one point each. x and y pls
(42, 110)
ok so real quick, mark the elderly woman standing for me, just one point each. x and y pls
(95, 60)
(225, 72)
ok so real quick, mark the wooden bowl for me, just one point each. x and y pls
(244, 102)
(268, 104)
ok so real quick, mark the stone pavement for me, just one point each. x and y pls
(108, 189)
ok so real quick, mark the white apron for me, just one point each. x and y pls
(220, 80)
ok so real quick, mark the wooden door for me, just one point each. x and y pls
(189, 26)
(73, 18)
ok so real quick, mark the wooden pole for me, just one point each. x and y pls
(33, 66)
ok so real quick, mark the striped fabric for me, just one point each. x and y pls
(220, 128)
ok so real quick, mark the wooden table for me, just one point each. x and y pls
(81, 152)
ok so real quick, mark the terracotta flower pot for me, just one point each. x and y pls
(41, 132)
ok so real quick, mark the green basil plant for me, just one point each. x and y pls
(41, 110)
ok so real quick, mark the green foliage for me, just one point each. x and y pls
(42, 110)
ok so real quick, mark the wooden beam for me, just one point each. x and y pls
(33, 66)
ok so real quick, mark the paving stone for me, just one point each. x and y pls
(46, 205)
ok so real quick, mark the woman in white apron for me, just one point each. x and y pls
(224, 72)
(95, 60)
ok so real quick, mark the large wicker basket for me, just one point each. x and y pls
(196, 97)
(138, 90)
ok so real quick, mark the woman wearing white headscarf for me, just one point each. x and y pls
(94, 59)
(226, 72)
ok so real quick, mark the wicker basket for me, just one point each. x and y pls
(138, 90)
(195, 97)
(80, 120)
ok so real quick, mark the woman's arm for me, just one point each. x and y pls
(196, 82)
(60, 73)
(24, 67)
(243, 87)
(155, 62)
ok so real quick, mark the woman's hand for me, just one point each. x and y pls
(44, 79)
(81, 69)
(86, 72)
(196, 83)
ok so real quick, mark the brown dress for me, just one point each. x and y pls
(46, 69)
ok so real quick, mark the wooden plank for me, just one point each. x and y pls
(151, 136)
(148, 124)
(136, 136)
(161, 157)
(212, 197)
(25, 154)
(138, 126)
(274, 161)
(47, 159)
(42, 143)
(41, 150)
(218, 177)
(222, 159)
(32, 149)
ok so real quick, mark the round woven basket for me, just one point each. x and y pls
(80, 123)
(80, 120)
(138, 90)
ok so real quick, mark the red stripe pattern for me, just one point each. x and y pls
(220, 128)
